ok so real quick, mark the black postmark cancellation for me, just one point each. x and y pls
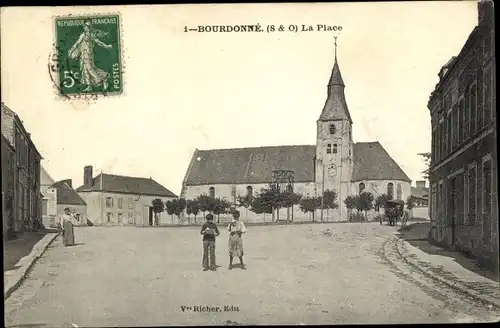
(87, 56)
(208, 308)
(54, 65)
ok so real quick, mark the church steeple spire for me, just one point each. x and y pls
(335, 106)
(335, 43)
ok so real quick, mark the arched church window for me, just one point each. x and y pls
(334, 148)
(390, 190)
(211, 192)
(329, 148)
(249, 192)
(333, 129)
(399, 192)
(361, 187)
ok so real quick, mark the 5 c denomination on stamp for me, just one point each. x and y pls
(87, 59)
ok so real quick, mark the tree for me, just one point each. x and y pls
(195, 208)
(364, 202)
(158, 207)
(350, 203)
(288, 199)
(427, 158)
(219, 206)
(310, 205)
(171, 205)
(259, 205)
(329, 201)
(180, 206)
(244, 201)
(204, 202)
(380, 201)
(188, 210)
(192, 207)
(270, 196)
(294, 200)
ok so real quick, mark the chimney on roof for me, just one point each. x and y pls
(87, 176)
(485, 12)
(420, 184)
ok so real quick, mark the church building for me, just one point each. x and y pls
(334, 163)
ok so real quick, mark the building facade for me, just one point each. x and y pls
(26, 202)
(420, 200)
(420, 194)
(463, 172)
(49, 198)
(121, 200)
(67, 197)
(335, 163)
(8, 188)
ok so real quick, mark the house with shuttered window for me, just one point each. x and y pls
(463, 171)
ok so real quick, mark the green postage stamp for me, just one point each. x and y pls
(88, 55)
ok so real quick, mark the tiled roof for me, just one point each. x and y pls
(255, 165)
(250, 165)
(419, 192)
(67, 195)
(372, 162)
(128, 185)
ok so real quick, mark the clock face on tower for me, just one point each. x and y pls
(332, 170)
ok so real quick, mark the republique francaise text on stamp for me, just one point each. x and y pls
(88, 55)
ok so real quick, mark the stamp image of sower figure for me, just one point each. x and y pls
(88, 50)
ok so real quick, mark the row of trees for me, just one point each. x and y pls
(365, 202)
(269, 201)
(202, 203)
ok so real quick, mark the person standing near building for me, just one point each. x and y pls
(236, 230)
(405, 217)
(66, 225)
(209, 231)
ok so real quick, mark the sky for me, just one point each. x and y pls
(228, 90)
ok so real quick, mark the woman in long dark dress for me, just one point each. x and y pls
(66, 224)
(236, 230)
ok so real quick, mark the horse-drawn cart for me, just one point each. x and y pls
(393, 210)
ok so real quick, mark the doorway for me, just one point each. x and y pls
(151, 216)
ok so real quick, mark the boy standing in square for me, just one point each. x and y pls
(209, 231)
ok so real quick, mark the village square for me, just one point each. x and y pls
(334, 232)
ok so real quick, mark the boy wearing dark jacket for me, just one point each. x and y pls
(209, 231)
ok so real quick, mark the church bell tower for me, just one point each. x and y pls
(334, 145)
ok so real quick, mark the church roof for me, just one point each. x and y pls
(336, 77)
(127, 185)
(255, 165)
(373, 162)
(250, 165)
(335, 106)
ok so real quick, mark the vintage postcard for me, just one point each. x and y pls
(249, 164)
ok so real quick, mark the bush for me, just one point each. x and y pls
(357, 217)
